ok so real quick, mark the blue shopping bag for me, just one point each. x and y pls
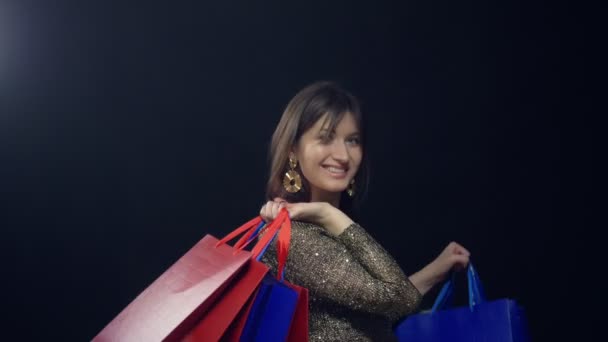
(501, 320)
(274, 307)
(272, 312)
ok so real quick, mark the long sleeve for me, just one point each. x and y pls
(351, 271)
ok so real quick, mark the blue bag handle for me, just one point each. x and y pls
(475, 291)
(257, 230)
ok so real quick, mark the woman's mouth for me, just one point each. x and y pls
(338, 172)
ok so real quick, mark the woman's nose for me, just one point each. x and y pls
(339, 151)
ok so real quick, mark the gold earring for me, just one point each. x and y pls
(351, 188)
(292, 182)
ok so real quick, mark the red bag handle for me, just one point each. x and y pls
(281, 223)
(283, 245)
(249, 225)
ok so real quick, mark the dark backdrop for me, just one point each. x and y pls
(127, 132)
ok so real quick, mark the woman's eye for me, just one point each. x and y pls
(353, 141)
(325, 138)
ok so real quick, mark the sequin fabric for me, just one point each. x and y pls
(357, 290)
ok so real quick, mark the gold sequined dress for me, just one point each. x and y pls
(357, 290)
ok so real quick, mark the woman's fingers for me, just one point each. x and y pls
(264, 212)
(455, 257)
(462, 250)
(460, 262)
(271, 209)
(267, 211)
(275, 209)
(460, 256)
(456, 248)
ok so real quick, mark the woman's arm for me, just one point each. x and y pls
(335, 222)
(352, 270)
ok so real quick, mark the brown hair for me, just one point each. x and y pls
(302, 112)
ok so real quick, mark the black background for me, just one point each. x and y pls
(129, 131)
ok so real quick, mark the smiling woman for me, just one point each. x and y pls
(321, 134)
(357, 290)
(329, 160)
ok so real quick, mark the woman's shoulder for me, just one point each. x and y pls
(307, 228)
(302, 230)
(307, 237)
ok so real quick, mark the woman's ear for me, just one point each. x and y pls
(292, 153)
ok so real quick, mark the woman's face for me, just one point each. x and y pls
(329, 160)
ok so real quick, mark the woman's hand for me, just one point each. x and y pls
(271, 209)
(320, 213)
(453, 257)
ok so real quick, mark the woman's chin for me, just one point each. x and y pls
(334, 188)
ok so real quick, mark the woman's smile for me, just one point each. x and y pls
(335, 171)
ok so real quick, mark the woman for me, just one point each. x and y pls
(318, 171)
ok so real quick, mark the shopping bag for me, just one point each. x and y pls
(501, 320)
(280, 309)
(234, 332)
(298, 331)
(176, 301)
(272, 312)
(215, 322)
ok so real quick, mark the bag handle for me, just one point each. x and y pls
(251, 229)
(248, 229)
(475, 291)
(283, 229)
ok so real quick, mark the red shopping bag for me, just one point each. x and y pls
(298, 332)
(175, 302)
(215, 322)
(234, 331)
